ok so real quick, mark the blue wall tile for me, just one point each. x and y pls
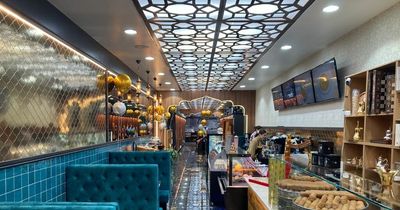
(45, 180)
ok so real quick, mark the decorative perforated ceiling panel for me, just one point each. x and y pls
(211, 44)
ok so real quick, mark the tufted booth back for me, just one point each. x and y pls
(134, 187)
(59, 206)
(162, 158)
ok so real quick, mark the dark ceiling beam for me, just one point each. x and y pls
(47, 16)
(216, 35)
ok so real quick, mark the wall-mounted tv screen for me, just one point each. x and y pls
(325, 81)
(304, 89)
(278, 98)
(289, 94)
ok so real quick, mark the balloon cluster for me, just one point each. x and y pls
(206, 113)
(122, 82)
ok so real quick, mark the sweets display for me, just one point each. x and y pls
(299, 185)
(326, 200)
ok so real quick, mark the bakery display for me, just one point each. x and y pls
(327, 200)
(301, 185)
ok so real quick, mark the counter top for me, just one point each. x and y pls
(260, 192)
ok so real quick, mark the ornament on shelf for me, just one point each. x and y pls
(355, 95)
(362, 101)
(357, 132)
(388, 136)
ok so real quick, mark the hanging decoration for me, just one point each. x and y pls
(203, 122)
(123, 83)
(101, 82)
(167, 115)
(136, 113)
(200, 133)
(119, 108)
(172, 109)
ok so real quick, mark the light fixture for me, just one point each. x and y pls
(130, 32)
(242, 86)
(252, 78)
(330, 8)
(262, 9)
(286, 47)
(265, 67)
(139, 85)
(161, 74)
(172, 89)
(167, 83)
(149, 58)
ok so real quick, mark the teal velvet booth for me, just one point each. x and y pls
(133, 187)
(161, 158)
(59, 206)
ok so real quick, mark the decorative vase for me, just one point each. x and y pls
(355, 94)
(386, 182)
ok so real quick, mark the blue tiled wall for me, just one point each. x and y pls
(45, 180)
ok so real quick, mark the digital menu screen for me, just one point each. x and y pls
(289, 94)
(278, 98)
(325, 81)
(304, 89)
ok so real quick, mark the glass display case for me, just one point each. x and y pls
(215, 144)
(285, 190)
(242, 167)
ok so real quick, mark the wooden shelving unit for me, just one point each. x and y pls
(374, 128)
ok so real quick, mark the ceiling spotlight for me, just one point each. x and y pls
(149, 58)
(330, 8)
(161, 74)
(265, 67)
(172, 89)
(167, 83)
(130, 32)
(242, 86)
(252, 78)
(286, 47)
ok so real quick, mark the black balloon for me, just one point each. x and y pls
(112, 99)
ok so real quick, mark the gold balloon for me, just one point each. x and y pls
(129, 111)
(144, 114)
(150, 109)
(204, 122)
(101, 83)
(208, 112)
(200, 133)
(136, 113)
(172, 109)
(142, 132)
(123, 82)
(158, 118)
(203, 113)
(162, 110)
(167, 115)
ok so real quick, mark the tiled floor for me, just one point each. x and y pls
(190, 187)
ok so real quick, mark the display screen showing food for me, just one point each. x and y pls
(289, 94)
(325, 81)
(304, 89)
(278, 98)
(319, 199)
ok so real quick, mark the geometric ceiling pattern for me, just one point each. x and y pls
(212, 44)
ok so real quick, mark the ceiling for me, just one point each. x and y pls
(207, 48)
(312, 32)
(106, 20)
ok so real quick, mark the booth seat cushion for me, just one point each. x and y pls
(164, 196)
(59, 206)
(162, 158)
(134, 187)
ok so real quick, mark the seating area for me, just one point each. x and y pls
(131, 180)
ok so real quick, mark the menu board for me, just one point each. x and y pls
(325, 81)
(289, 94)
(278, 98)
(304, 89)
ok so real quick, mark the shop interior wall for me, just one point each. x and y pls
(244, 98)
(373, 44)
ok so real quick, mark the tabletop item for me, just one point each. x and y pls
(357, 132)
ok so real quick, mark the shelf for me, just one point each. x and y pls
(355, 116)
(356, 167)
(361, 142)
(378, 145)
(380, 115)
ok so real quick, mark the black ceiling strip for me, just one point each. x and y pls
(154, 37)
(290, 23)
(216, 35)
(48, 17)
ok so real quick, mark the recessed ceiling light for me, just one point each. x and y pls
(286, 47)
(149, 58)
(265, 67)
(172, 89)
(252, 78)
(242, 86)
(167, 83)
(161, 74)
(330, 8)
(130, 32)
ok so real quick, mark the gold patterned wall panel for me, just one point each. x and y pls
(48, 96)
